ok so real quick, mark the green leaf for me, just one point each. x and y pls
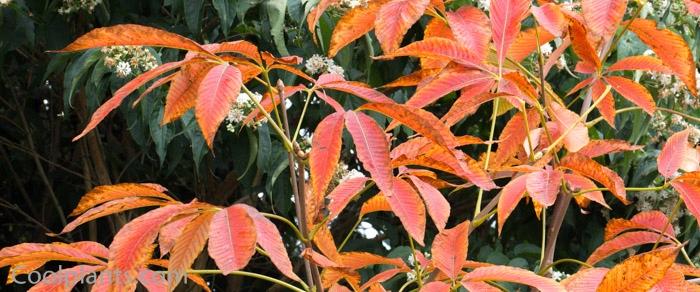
(193, 9)
(243, 6)
(227, 11)
(264, 147)
(76, 72)
(276, 10)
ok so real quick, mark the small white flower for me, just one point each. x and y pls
(546, 49)
(648, 52)
(318, 64)
(235, 115)
(558, 275)
(335, 69)
(410, 276)
(122, 69)
(353, 3)
(484, 4)
(562, 62)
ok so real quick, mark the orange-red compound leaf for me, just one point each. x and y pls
(435, 202)
(671, 49)
(419, 120)
(639, 272)
(112, 207)
(550, 17)
(133, 245)
(543, 186)
(607, 104)
(316, 13)
(593, 170)
(169, 233)
(579, 183)
(513, 134)
(470, 27)
(515, 275)
(122, 93)
(469, 101)
(603, 16)
(381, 277)
(152, 280)
(358, 260)
(64, 279)
(688, 186)
(506, 16)
(643, 63)
(673, 153)
(674, 280)
(232, 238)
(438, 48)
(412, 79)
(596, 148)
(509, 198)
(372, 149)
(133, 35)
(581, 44)
(447, 81)
(355, 88)
(585, 280)
(354, 24)
(450, 249)
(652, 220)
(624, 241)
(394, 19)
(375, 204)
(343, 193)
(325, 152)
(216, 94)
(526, 43)
(102, 194)
(571, 124)
(188, 246)
(182, 94)
(436, 286)
(269, 238)
(408, 206)
(634, 92)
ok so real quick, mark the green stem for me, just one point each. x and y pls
(249, 274)
(544, 237)
(303, 114)
(494, 115)
(287, 144)
(676, 208)
(419, 276)
(266, 76)
(289, 223)
(542, 271)
(347, 237)
(629, 189)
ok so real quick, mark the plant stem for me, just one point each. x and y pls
(629, 189)
(287, 144)
(674, 212)
(544, 237)
(249, 274)
(543, 270)
(303, 114)
(494, 115)
(289, 223)
(347, 237)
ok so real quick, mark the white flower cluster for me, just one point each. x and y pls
(5, 2)
(657, 200)
(244, 105)
(664, 126)
(559, 275)
(546, 49)
(484, 4)
(318, 64)
(72, 6)
(350, 4)
(127, 60)
(671, 87)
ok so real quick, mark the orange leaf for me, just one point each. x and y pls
(450, 249)
(688, 186)
(375, 204)
(408, 206)
(449, 80)
(674, 280)
(419, 120)
(381, 277)
(581, 85)
(358, 260)
(526, 43)
(437, 205)
(372, 148)
(543, 186)
(394, 19)
(316, 13)
(438, 48)
(133, 35)
(64, 279)
(643, 63)
(232, 238)
(122, 93)
(412, 79)
(506, 16)
(325, 152)
(354, 24)
(436, 27)
(624, 241)
(188, 246)
(101, 194)
(652, 220)
(607, 106)
(511, 274)
(671, 49)
(513, 135)
(603, 16)
(471, 28)
(596, 148)
(509, 198)
(469, 101)
(436, 286)
(585, 280)
(591, 169)
(355, 88)
(112, 207)
(633, 92)
(577, 136)
(581, 44)
(242, 47)
(342, 194)
(639, 272)
(182, 94)
(215, 96)
(673, 153)
(579, 183)
(550, 17)
(153, 281)
(170, 232)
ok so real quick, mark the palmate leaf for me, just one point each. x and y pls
(170, 232)
(603, 16)
(643, 63)
(543, 186)
(581, 44)
(188, 246)
(450, 249)
(506, 17)
(232, 238)
(394, 19)
(216, 94)
(337, 82)
(182, 93)
(372, 148)
(436, 204)
(634, 92)
(112, 207)
(438, 48)
(342, 194)
(624, 241)
(639, 272)
(513, 134)
(585, 280)
(381, 277)
(471, 28)
(375, 204)
(325, 152)
(550, 17)
(580, 183)
(408, 206)
(469, 101)
(526, 42)
(593, 170)
(449, 80)
(65, 279)
(102, 194)
(671, 49)
(651, 220)
(606, 107)
(511, 274)
(577, 136)
(596, 148)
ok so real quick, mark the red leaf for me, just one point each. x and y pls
(639, 272)
(152, 281)
(372, 148)
(577, 136)
(436, 286)
(596, 148)
(671, 49)
(342, 194)
(581, 44)
(407, 205)
(509, 198)
(506, 16)
(543, 186)
(550, 17)
(355, 88)
(688, 186)
(603, 16)
(438, 48)
(169, 233)
(182, 94)
(122, 93)
(242, 47)
(64, 279)
(607, 105)
(102, 194)
(469, 101)
(269, 238)
(624, 241)
(381, 277)
(633, 92)
(232, 238)
(651, 220)
(526, 43)
(412, 79)
(581, 85)
(316, 13)
(188, 246)
(673, 153)
(325, 152)
(394, 19)
(511, 274)
(111, 207)
(450, 249)
(437, 205)
(449, 80)
(354, 24)
(471, 28)
(673, 280)
(643, 63)
(580, 183)
(513, 135)
(585, 280)
(330, 101)
(591, 169)
(216, 94)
